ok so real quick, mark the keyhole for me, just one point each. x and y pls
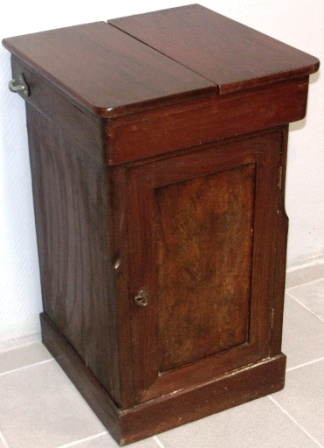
(141, 299)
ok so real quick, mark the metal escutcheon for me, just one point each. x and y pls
(19, 86)
(141, 298)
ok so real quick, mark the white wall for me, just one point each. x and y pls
(296, 22)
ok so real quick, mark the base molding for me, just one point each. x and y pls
(169, 411)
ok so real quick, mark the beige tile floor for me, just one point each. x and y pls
(40, 408)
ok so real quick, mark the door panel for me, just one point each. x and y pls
(203, 254)
(202, 238)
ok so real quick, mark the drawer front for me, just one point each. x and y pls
(161, 131)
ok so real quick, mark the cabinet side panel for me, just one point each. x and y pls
(204, 251)
(50, 102)
(71, 208)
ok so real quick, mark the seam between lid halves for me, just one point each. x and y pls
(217, 87)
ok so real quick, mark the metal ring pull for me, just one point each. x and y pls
(19, 86)
(141, 299)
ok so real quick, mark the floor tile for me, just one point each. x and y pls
(3, 443)
(23, 356)
(304, 275)
(40, 408)
(303, 334)
(106, 441)
(256, 424)
(311, 296)
(303, 398)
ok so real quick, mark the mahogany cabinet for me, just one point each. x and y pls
(158, 151)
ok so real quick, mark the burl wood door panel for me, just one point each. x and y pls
(202, 239)
(203, 250)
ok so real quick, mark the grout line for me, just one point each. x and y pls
(304, 283)
(295, 421)
(17, 346)
(158, 441)
(305, 364)
(86, 439)
(14, 344)
(27, 366)
(311, 263)
(3, 440)
(305, 307)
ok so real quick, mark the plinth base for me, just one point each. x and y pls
(169, 411)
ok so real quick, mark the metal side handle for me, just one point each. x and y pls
(19, 85)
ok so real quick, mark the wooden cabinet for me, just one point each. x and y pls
(158, 152)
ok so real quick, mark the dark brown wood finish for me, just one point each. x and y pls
(280, 264)
(226, 52)
(130, 425)
(107, 64)
(82, 127)
(78, 283)
(158, 150)
(148, 134)
(261, 155)
(203, 245)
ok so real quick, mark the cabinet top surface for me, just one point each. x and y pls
(141, 62)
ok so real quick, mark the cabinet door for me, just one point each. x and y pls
(202, 241)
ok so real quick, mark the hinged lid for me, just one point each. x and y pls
(230, 54)
(141, 62)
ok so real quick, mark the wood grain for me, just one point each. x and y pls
(204, 253)
(77, 123)
(144, 420)
(146, 182)
(112, 73)
(280, 270)
(181, 126)
(78, 286)
(158, 149)
(226, 52)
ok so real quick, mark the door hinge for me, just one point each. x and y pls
(272, 318)
(280, 178)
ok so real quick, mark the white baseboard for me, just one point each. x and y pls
(14, 339)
